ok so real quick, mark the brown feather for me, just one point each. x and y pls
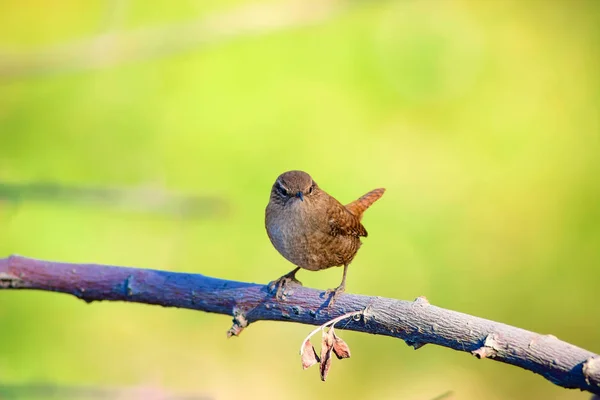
(343, 222)
(358, 206)
(309, 227)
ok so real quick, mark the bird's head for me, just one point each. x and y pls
(294, 186)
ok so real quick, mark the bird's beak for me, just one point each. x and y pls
(300, 196)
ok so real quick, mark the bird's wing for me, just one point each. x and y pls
(343, 222)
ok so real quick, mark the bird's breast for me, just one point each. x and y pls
(287, 228)
(304, 238)
(290, 229)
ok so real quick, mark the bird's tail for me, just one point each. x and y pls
(358, 207)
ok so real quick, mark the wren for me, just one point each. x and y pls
(313, 230)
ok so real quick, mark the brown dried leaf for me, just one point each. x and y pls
(340, 348)
(309, 355)
(326, 348)
(325, 365)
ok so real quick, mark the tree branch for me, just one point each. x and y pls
(140, 199)
(416, 322)
(115, 48)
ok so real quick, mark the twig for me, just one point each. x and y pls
(49, 391)
(325, 325)
(416, 322)
(329, 343)
(445, 395)
(116, 48)
(140, 199)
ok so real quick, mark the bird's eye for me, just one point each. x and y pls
(310, 190)
(281, 189)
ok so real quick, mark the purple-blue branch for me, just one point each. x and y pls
(416, 322)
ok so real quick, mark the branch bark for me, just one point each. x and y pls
(416, 322)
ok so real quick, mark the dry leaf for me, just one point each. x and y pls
(326, 348)
(340, 348)
(309, 355)
(325, 365)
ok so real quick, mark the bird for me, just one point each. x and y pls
(312, 229)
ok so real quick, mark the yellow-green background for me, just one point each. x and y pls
(479, 117)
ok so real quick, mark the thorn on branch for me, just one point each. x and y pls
(80, 294)
(422, 301)
(490, 347)
(413, 343)
(239, 323)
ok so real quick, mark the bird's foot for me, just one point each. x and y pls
(334, 294)
(280, 285)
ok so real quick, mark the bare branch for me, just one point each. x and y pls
(140, 199)
(416, 322)
(49, 391)
(116, 48)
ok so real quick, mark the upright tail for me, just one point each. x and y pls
(358, 207)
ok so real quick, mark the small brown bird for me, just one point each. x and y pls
(313, 230)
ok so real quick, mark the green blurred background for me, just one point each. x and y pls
(479, 117)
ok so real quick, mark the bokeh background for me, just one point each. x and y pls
(479, 117)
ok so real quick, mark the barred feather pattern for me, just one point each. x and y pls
(358, 207)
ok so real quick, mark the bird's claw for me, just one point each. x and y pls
(280, 285)
(334, 294)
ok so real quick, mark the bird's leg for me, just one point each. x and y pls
(338, 290)
(281, 283)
